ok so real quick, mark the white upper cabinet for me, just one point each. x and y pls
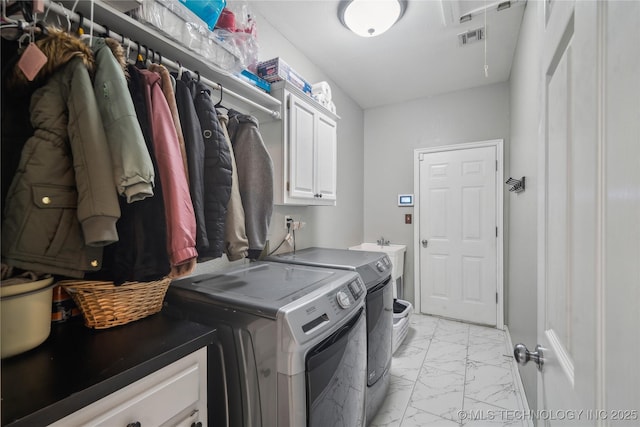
(303, 148)
(326, 158)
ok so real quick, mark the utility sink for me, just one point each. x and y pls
(395, 253)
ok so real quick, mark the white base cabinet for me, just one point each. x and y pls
(175, 395)
(303, 147)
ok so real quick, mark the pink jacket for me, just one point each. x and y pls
(181, 222)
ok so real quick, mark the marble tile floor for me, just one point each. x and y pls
(449, 373)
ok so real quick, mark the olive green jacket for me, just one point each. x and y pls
(62, 206)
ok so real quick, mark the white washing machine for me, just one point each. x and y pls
(292, 346)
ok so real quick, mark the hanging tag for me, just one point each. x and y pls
(32, 61)
(38, 6)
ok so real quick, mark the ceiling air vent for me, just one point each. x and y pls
(471, 36)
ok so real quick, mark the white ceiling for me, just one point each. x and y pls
(418, 57)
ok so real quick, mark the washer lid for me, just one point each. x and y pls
(260, 288)
(372, 266)
(325, 257)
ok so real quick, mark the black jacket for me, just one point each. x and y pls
(217, 171)
(209, 163)
(16, 123)
(194, 147)
(141, 254)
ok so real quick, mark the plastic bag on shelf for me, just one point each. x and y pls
(175, 20)
(237, 28)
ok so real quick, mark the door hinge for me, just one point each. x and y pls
(496, 165)
(496, 297)
(287, 185)
(496, 231)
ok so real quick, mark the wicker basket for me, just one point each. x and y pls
(105, 305)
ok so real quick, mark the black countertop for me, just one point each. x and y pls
(77, 366)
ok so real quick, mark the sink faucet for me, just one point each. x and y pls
(383, 242)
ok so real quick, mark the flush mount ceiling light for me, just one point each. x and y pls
(370, 18)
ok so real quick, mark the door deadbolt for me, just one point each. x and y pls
(523, 355)
(425, 243)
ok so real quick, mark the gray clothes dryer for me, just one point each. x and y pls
(375, 270)
(292, 346)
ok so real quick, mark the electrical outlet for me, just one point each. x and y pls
(288, 219)
(297, 225)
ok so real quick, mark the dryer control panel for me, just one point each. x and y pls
(325, 309)
(348, 295)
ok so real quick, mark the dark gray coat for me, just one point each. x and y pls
(209, 161)
(217, 172)
(194, 147)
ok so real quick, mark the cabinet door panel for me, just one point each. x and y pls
(301, 132)
(326, 147)
(165, 397)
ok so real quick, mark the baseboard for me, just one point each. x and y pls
(518, 380)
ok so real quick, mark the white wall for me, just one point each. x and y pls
(522, 260)
(328, 226)
(393, 132)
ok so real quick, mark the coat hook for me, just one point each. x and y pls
(517, 185)
(179, 70)
(219, 104)
(80, 24)
(140, 61)
(46, 12)
(68, 17)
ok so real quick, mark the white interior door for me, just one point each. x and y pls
(458, 233)
(584, 45)
(567, 225)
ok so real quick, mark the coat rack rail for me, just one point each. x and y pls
(174, 65)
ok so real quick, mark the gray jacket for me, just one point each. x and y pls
(255, 178)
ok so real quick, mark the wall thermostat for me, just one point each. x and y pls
(405, 199)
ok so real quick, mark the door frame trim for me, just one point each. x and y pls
(417, 154)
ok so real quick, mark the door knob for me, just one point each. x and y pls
(523, 355)
(425, 243)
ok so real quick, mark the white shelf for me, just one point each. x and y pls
(105, 15)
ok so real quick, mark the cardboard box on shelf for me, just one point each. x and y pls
(275, 70)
